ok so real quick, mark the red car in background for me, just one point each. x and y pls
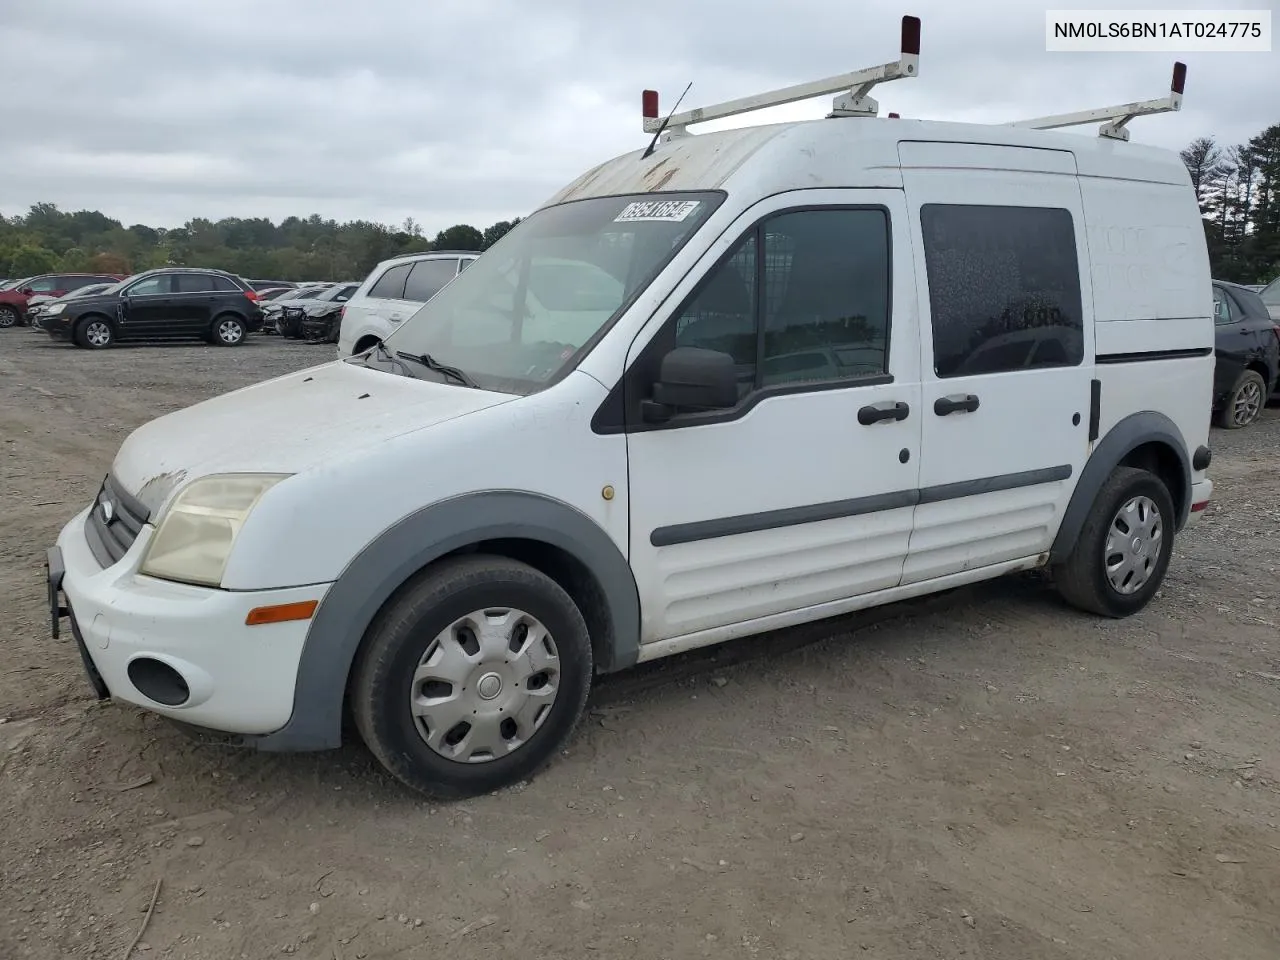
(14, 295)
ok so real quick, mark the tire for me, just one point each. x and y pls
(227, 330)
(1245, 403)
(425, 627)
(8, 317)
(95, 333)
(1084, 580)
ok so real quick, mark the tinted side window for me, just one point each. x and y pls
(72, 283)
(391, 283)
(1247, 305)
(225, 285)
(46, 284)
(822, 301)
(1004, 288)
(427, 277)
(194, 283)
(722, 313)
(826, 306)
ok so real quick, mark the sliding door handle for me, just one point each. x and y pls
(961, 403)
(876, 412)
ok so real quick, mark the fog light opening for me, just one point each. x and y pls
(158, 681)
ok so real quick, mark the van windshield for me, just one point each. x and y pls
(538, 300)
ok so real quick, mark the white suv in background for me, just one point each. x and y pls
(393, 292)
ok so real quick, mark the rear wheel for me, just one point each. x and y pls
(1245, 403)
(228, 331)
(1123, 550)
(473, 677)
(95, 333)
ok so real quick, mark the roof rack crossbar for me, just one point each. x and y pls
(855, 86)
(1115, 119)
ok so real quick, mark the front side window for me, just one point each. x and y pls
(1004, 288)
(44, 284)
(427, 277)
(391, 284)
(803, 298)
(525, 311)
(151, 286)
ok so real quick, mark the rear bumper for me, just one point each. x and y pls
(1201, 494)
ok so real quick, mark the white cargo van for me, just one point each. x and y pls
(733, 382)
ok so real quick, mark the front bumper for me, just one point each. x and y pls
(131, 629)
(58, 328)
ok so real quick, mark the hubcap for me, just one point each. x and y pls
(1248, 404)
(97, 333)
(485, 685)
(1133, 545)
(229, 331)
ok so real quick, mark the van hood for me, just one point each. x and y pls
(287, 425)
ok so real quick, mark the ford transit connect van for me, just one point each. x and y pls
(726, 383)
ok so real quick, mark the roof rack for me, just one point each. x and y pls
(854, 102)
(1116, 117)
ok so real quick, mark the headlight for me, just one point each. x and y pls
(56, 309)
(194, 537)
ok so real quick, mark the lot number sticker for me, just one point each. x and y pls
(673, 211)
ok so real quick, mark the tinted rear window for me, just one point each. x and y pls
(391, 283)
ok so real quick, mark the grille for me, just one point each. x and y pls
(110, 537)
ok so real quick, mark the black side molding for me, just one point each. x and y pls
(1095, 408)
(838, 509)
(1143, 356)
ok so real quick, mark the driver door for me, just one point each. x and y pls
(800, 497)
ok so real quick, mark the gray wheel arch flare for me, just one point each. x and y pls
(1129, 434)
(385, 564)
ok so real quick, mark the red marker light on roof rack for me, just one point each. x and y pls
(911, 35)
(894, 116)
(649, 104)
(1179, 77)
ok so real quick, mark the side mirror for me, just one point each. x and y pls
(27, 292)
(690, 378)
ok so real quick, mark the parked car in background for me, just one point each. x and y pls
(260, 285)
(1270, 296)
(275, 293)
(38, 306)
(1247, 347)
(393, 292)
(271, 309)
(13, 300)
(296, 309)
(165, 304)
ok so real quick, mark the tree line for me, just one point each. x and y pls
(1238, 188)
(46, 239)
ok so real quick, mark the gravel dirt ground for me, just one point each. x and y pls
(986, 774)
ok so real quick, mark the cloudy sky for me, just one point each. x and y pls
(156, 111)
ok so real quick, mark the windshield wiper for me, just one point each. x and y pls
(431, 363)
(386, 354)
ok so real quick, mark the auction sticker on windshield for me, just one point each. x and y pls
(673, 211)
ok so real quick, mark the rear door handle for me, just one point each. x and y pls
(876, 412)
(961, 403)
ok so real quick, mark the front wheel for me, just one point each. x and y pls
(1244, 406)
(1123, 551)
(8, 317)
(95, 333)
(472, 677)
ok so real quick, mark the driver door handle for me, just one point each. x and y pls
(960, 403)
(877, 412)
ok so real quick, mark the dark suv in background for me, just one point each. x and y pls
(1247, 347)
(171, 303)
(14, 297)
